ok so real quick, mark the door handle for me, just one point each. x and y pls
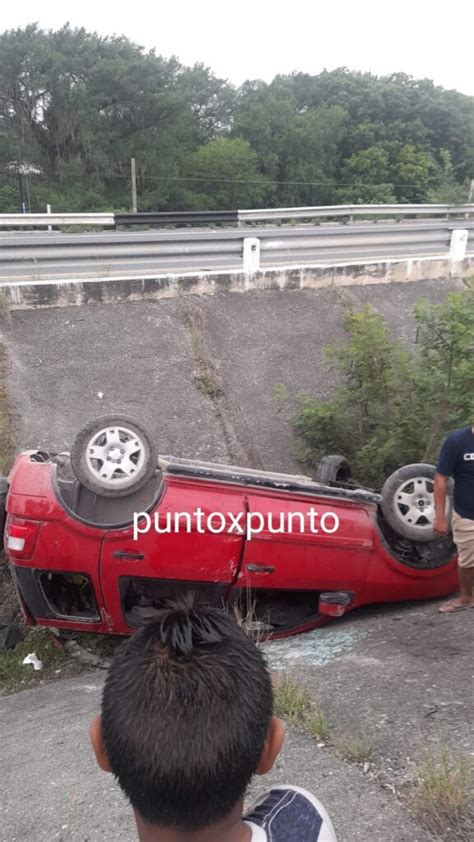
(259, 568)
(124, 554)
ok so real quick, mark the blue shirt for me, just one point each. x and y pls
(289, 814)
(456, 460)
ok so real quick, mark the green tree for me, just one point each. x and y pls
(224, 174)
(77, 107)
(366, 177)
(297, 146)
(447, 189)
(411, 172)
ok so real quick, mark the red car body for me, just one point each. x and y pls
(73, 573)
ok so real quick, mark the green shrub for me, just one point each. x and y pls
(394, 407)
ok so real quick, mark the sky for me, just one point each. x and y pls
(256, 39)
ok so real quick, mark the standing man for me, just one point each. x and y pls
(456, 460)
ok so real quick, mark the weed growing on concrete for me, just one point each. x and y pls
(355, 750)
(206, 376)
(5, 315)
(6, 450)
(295, 704)
(280, 394)
(316, 722)
(442, 798)
(291, 702)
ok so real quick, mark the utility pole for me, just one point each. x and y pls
(28, 191)
(470, 197)
(134, 185)
(471, 192)
(20, 191)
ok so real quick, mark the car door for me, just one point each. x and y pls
(300, 559)
(201, 555)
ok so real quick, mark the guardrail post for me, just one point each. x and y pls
(251, 254)
(458, 244)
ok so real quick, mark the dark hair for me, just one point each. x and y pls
(185, 713)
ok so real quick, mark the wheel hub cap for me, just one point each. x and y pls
(114, 456)
(414, 503)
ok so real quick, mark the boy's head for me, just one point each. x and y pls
(187, 718)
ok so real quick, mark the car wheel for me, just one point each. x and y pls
(333, 468)
(113, 456)
(408, 502)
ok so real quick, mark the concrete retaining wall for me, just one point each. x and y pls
(25, 296)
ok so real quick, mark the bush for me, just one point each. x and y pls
(393, 407)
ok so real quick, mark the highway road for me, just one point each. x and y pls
(42, 255)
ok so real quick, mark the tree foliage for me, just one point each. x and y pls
(393, 407)
(76, 107)
(224, 174)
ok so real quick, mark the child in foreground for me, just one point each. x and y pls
(186, 722)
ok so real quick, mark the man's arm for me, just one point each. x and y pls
(445, 468)
(440, 524)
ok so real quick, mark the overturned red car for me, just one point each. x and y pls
(98, 537)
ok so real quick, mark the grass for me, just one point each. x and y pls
(206, 375)
(280, 394)
(245, 613)
(291, 702)
(15, 676)
(5, 314)
(442, 800)
(6, 445)
(355, 750)
(316, 722)
(294, 703)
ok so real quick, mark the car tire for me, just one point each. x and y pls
(3, 502)
(113, 456)
(333, 468)
(408, 502)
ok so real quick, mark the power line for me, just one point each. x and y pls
(262, 181)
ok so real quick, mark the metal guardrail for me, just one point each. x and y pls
(29, 220)
(61, 255)
(327, 211)
(107, 220)
(177, 218)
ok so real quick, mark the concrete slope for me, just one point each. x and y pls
(214, 377)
